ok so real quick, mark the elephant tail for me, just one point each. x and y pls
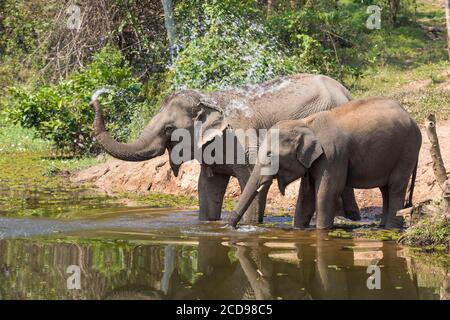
(409, 203)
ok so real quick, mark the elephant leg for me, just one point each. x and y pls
(397, 186)
(305, 207)
(396, 202)
(385, 195)
(211, 190)
(327, 200)
(351, 209)
(262, 200)
(340, 211)
(326, 207)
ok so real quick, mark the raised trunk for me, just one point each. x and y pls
(146, 147)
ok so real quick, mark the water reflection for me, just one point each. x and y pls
(208, 268)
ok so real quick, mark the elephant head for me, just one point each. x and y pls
(178, 111)
(296, 151)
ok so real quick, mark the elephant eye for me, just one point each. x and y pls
(169, 128)
(269, 154)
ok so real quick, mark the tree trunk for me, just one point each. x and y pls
(447, 15)
(394, 6)
(294, 3)
(170, 25)
(438, 164)
(270, 4)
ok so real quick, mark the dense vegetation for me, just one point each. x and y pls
(49, 65)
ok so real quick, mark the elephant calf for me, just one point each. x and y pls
(364, 144)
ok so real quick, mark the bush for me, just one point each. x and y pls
(230, 43)
(229, 56)
(431, 232)
(61, 112)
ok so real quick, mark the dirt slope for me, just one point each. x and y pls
(155, 176)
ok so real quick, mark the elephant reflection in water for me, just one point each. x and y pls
(251, 274)
(250, 269)
(445, 288)
(223, 278)
(321, 271)
(338, 274)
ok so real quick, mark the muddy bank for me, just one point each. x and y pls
(155, 176)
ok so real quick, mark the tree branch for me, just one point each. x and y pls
(438, 164)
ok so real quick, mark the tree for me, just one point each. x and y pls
(293, 4)
(438, 164)
(394, 6)
(270, 4)
(447, 15)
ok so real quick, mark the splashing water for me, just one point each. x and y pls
(238, 106)
(97, 93)
(247, 228)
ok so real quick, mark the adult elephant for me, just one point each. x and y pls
(250, 107)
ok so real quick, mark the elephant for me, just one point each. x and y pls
(366, 143)
(250, 107)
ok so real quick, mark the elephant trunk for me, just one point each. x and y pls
(253, 186)
(147, 146)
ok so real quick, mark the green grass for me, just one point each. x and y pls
(429, 233)
(410, 67)
(162, 200)
(18, 139)
(15, 139)
(67, 165)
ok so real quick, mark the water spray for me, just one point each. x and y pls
(97, 93)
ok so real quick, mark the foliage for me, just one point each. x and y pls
(321, 37)
(37, 45)
(230, 54)
(433, 232)
(14, 138)
(220, 44)
(21, 33)
(61, 112)
(230, 43)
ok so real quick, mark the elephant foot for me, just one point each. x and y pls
(303, 227)
(395, 223)
(251, 219)
(353, 215)
(234, 219)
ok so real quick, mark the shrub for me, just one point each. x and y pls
(229, 43)
(61, 112)
(229, 49)
(428, 232)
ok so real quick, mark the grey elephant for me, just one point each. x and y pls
(250, 107)
(367, 143)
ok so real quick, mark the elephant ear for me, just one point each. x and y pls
(309, 148)
(213, 122)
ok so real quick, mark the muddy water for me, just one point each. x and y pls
(145, 253)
